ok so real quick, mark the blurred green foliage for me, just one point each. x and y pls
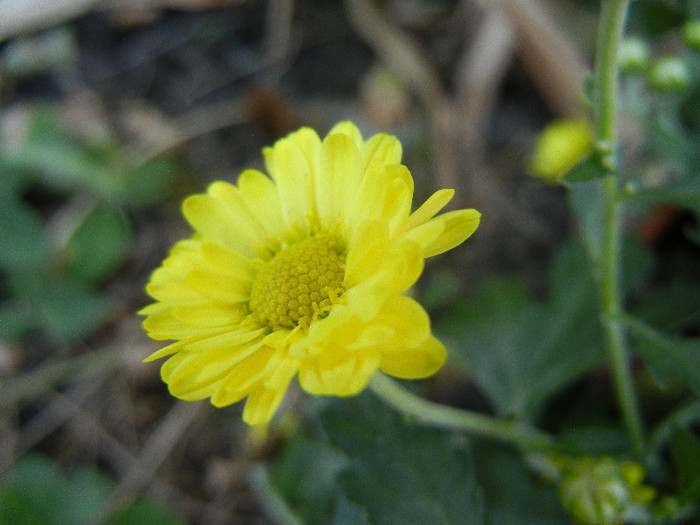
(36, 491)
(53, 263)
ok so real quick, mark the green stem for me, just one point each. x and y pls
(442, 416)
(605, 100)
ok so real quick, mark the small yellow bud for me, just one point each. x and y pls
(562, 145)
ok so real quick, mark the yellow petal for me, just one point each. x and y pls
(261, 196)
(196, 375)
(244, 376)
(371, 239)
(162, 324)
(415, 362)
(429, 209)
(368, 203)
(282, 375)
(227, 261)
(350, 130)
(381, 149)
(366, 364)
(239, 211)
(374, 252)
(398, 197)
(214, 220)
(228, 341)
(209, 316)
(218, 287)
(290, 170)
(168, 285)
(402, 323)
(309, 145)
(262, 404)
(456, 227)
(341, 167)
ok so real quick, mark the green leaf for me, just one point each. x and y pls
(67, 311)
(21, 236)
(31, 493)
(522, 352)
(60, 160)
(667, 355)
(347, 513)
(684, 192)
(98, 246)
(15, 319)
(685, 453)
(147, 183)
(305, 475)
(398, 472)
(513, 494)
(589, 168)
(145, 512)
(67, 164)
(36, 491)
(586, 201)
(669, 306)
(91, 488)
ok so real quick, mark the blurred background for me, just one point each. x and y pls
(111, 111)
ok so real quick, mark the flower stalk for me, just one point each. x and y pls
(611, 30)
(434, 414)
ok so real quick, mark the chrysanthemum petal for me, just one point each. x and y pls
(429, 209)
(309, 144)
(290, 170)
(244, 376)
(168, 285)
(179, 345)
(326, 373)
(261, 405)
(341, 166)
(261, 196)
(161, 324)
(374, 252)
(416, 362)
(227, 261)
(209, 316)
(368, 202)
(348, 129)
(219, 287)
(370, 237)
(366, 364)
(196, 375)
(398, 197)
(213, 219)
(282, 375)
(239, 210)
(401, 324)
(382, 150)
(227, 342)
(455, 227)
(338, 372)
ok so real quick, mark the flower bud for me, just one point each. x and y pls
(594, 491)
(669, 74)
(562, 145)
(602, 490)
(691, 33)
(634, 55)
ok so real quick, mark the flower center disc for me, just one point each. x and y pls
(298, 283)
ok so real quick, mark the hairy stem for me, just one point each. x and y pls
(434, 414)
(605, 104)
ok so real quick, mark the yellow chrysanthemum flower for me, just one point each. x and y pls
(302, 274)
